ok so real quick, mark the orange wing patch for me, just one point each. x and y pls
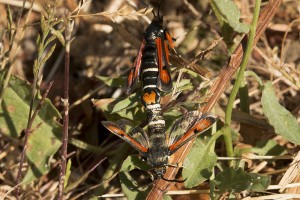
(167, 52)
(170, 40)
(115, 129)
(164, 83)
(205, 123)
(164, 74)
(149, 98)
(159, 51)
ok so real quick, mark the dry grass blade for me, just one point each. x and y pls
(125, 11)
(292, 172)
(274, 197)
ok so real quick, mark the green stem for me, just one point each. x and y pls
(244, 97)
(214, 138)
(240, 77)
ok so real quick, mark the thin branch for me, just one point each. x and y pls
(62, 175)
(27, 133)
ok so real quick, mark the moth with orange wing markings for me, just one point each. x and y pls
(152, 67)
(152, 61)
(156, 148)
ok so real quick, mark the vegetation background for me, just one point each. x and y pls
(105, 39)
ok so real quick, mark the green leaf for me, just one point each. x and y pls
(198, 165)
(88, 147)
(129, 186)
(167, 197)
(237, 180)
(134, 162)
(228, 16)
(284, 123)
(170, 117)
(9, 18)
(259, 182)
(184, 84)
(129, 108)
(68, 172)
(253, 74)
(126, 103)
(113, 82)
(48, 54)
(270, 147)
(44, 141)
(44, 24)
(50, 39)
(58, 34)
(38, 39)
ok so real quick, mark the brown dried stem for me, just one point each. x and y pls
(62, 174)
(218, 87)
(28, 131)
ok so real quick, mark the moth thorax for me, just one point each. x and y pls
(154, 30)
(158, 158)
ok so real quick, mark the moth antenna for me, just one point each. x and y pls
(145, 4)
(160, 5)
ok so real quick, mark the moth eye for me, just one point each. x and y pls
(161, 30)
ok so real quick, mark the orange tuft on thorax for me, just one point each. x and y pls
(149, 98)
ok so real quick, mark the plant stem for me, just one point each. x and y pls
(240, 77)
(62, 174)
(27, 134)
(244, 97)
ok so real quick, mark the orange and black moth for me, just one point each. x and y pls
(157, 145)
(151, 66)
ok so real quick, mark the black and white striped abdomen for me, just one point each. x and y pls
(149, 67)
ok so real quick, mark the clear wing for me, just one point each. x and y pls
(181, 126)
(191, 127)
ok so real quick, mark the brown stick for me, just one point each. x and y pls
(28, 131)
(62, 174)
(161, 186)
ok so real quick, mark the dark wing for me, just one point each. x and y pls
(136, 137)
(134, 74)
(164, 82)
(197, 126)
